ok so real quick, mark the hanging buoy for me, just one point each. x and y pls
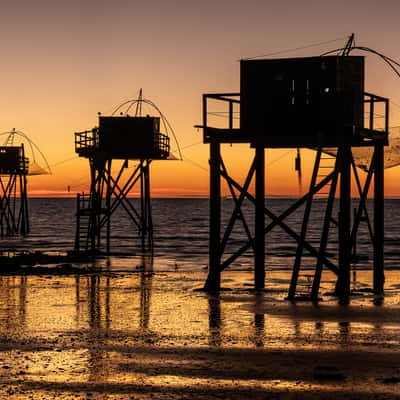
(297, 162)
(297, 167)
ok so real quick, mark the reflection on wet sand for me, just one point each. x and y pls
(146, 279)
(146, 334)
(98, 327)
(214, 319)
(259, 322)
(13, 303)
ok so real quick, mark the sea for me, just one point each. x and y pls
(181, 234)
(132, 332)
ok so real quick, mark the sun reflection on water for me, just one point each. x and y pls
(147, 333)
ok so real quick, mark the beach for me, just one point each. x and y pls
(150, 335)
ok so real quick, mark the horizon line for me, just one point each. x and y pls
(273, 196)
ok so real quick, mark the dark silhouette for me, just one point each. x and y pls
(119, 139)
(14, 216)
(314, 102)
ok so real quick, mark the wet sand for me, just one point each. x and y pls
(153, 336)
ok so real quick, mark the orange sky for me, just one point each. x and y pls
(62, 62)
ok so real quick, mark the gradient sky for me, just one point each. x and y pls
(64, 61)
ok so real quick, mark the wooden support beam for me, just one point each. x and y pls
(259, 239)
(237, 211)
(14, 217)
(344, 221)
(106, 196)
(108, 207)
(213, 282)
(120, 196)
(303, 232)
(379, 237)
(324, 236)
(278, 221)
(362, 208)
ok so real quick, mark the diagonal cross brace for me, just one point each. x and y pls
(5, 204)
(278, 220)
(237, 212)
(363, 192)
(120, 196)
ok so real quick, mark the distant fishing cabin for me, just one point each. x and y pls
(19, 157)
(110, 147)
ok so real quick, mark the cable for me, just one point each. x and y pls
(394, 104)
(222, 114)
(295, 49)
(268, 164)
(186, 147)
(195, 164)
(63, 161)
(393, 64)
(387, 59)
(191, 145)
(279, 158)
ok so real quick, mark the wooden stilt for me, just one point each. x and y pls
(344, 221)
(379, 276)
(213, 281)
(304, 225)
(259, 256)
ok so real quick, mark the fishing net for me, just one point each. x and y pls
(362, 155)
(38, 164)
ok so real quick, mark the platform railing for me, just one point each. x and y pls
(161, 143)
(371, 119)
(24, 165)
(229, 99)
(86, 140)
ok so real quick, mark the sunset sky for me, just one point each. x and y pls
(64, 61)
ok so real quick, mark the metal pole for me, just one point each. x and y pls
(259, 254)
(379, 276)
(213, 281)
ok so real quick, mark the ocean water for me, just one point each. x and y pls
(181, 233)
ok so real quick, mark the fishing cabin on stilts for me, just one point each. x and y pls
(14, 217)
(120, 151)
(19, 157)
(317, 103)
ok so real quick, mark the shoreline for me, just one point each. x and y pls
(152, 335)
